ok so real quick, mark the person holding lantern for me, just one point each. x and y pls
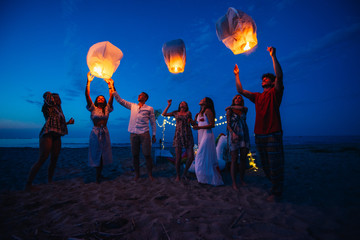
(140, 116)
(183, 137)
(50, 136)
(268, 130)
(238, 137)
(206, 163)
(100, 153)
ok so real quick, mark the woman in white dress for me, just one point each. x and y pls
(206, 164)
(99, 143)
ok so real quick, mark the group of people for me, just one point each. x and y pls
(268, 132)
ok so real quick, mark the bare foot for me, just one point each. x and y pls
(151, 178)
(177, 179)
(235, 187)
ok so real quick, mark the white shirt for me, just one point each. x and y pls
(140, 116)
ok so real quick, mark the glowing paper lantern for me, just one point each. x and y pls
(237, 31)
(103, 59)
(175, 55)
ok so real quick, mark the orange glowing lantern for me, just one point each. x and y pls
(237, 31)
(175, 55)
(103, 59)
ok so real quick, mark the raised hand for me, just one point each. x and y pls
(71, 121)
(272, 51)
(236, 70)
(169, 101)
(90, 77)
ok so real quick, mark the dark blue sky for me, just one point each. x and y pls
(43, 46)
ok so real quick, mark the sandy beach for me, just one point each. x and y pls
(321, 199)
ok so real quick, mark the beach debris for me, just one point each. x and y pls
(167, 235)
(175, 55)
(235, 223)
(16, 237)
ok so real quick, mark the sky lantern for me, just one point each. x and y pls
(175, 55)
(237, 31)
(103, 59)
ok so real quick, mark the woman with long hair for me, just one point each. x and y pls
(183, 137)
(100, 153)
(50, 136)
(206, 164)
(238, 137)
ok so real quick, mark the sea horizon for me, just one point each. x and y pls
(84, 142)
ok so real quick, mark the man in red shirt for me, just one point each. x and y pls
(268, 131)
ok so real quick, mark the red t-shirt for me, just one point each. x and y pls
(267, 106)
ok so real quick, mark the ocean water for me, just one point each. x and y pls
(84, 142)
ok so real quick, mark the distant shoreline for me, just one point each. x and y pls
(83, 142)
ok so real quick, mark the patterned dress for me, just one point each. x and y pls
(183, 134)
(239, 137)
(55, 121)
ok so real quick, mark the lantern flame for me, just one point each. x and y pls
(97, 71)
(247, 47)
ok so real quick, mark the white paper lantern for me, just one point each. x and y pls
(175, 55)
(237, 31)
(103, 59)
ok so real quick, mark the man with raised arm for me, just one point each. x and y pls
(268, 130)
(140, 116)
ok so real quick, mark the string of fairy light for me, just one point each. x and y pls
(218, 122)
(221, 120)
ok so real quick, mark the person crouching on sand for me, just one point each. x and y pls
(50, 136)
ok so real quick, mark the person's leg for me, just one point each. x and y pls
(135, 150)
(55, 151)
(234, 157)
(99, 170)
(177, 162)
(146, 149)
(276, 159)
(190, 159)
(261, 146)
(243, 163)
(45, 143)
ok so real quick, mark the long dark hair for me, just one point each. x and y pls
(187, 107)
(102, 106)
(233, 100)
(209, 104)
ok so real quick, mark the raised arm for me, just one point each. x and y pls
(110, 83)
(239, 87)
(165, 114)
(122, 102)
(277, 68)
(87, 89)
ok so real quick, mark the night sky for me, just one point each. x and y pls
(43, 47)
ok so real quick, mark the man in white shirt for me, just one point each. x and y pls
(140, 116)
